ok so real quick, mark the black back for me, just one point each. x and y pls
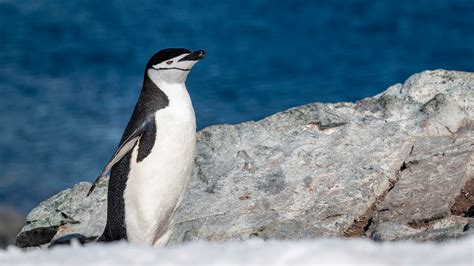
(151, 99)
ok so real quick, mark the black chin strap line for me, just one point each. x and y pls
(170, 68)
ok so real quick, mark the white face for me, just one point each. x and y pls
(172, 70)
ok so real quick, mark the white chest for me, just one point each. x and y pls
(155, 186)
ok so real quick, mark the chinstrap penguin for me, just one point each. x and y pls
(150, 170)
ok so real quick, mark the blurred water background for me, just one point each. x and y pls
(71, 71)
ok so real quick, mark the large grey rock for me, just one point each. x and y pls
(398, 165)
(67, 212)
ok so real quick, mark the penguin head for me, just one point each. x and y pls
(172, 65)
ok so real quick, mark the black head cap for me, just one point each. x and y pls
(166, 54)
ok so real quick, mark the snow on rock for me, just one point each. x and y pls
(257, 252)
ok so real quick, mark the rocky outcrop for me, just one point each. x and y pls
(67, 212)
(398, 165)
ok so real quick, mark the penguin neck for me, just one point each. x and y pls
(152, 98)
(175, 92)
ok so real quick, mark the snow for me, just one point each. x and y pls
(256, 252)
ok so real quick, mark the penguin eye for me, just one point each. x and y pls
(169, 62)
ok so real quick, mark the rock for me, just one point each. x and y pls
(430, 185)
(11, 222)
(398, 165)
(440, 230)
(67, 212)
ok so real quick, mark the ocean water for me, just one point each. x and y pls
(71, 71)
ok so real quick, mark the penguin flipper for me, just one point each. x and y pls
(121, 151)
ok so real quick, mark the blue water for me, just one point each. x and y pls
(71, 71)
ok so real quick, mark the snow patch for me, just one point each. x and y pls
(322, 252)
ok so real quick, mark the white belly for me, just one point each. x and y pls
(156, 185)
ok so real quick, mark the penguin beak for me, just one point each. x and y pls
(194, 56)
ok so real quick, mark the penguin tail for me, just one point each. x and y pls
(101, 239)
